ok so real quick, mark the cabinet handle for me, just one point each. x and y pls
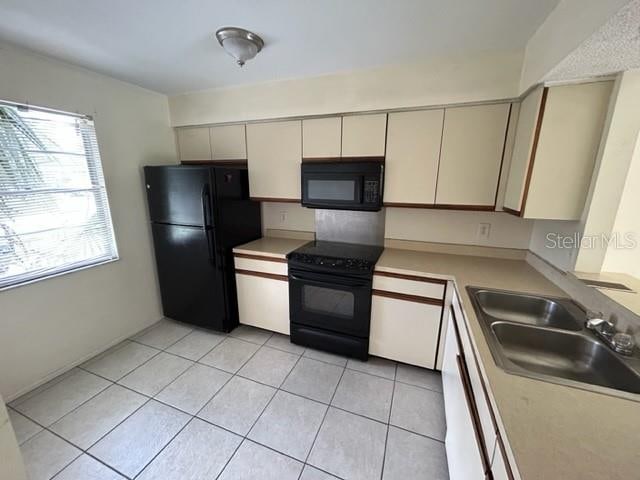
(464, 377)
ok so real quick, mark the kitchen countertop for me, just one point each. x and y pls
(270, 247)
(629, 300)
(555, 432)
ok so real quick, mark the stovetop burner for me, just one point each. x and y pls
(337, 256)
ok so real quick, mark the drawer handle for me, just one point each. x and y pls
(474, 415)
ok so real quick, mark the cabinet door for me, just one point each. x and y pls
(364, 135)
(321, 137)
(463, 455)
(404, 331)
(413, 151)
(274, 153)
(471, 156)
(525, 132)
(263, 302)
(193, 144)
(566, 151)
(228, 142)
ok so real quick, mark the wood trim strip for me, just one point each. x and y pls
(534, 149)
(505, 460)
(415, 278)
(276, 200)
(408, 298)
(457, 332)
(511, 211)
(473, 412)
(271, 276)
(342, 159)
(260, 257)
(442, 206)
(494, 422)
(435, 360)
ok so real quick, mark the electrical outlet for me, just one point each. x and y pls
(283, 217)
(484, 230)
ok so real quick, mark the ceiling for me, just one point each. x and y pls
(169, 46)
(614, 47)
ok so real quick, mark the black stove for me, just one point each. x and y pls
(330, 296)
(348, 258)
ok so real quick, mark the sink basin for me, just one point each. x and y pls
(545, 338)
(566, 355)
(526, 309)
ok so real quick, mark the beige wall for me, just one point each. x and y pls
(454, 80)
(566, 27)
(613, 165)
(11, 464)
(624, 256)
(50, 325)
(287, 216)
(556, 242)
(448, 226)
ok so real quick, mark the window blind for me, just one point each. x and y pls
(54, 212)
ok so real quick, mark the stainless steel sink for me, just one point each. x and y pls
(545, 338)
(528, 309)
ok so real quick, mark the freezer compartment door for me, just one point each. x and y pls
(179, 195)
(192, 285)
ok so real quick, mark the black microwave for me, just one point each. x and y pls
(343, 185)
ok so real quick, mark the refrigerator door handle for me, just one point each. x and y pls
(205, 199)
(208, 230)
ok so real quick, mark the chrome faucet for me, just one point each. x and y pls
(622, 343)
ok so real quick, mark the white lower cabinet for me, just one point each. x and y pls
(263, 302)
(404, 330)
(465, 457)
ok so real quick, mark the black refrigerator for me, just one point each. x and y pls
(198, 214)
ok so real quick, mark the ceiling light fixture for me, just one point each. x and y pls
(241, 44)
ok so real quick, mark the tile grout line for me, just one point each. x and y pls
(195, 416)
(232, 375)
(324, 418)
(386, 438)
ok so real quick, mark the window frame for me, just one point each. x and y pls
(89, 158)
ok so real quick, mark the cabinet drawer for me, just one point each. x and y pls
(409, 285)
(263, 302)
(404, 331)
(485, 413)
(267, 265)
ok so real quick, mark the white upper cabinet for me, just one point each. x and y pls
(228, 142)
(364, 135)
(274, 153)
(527, 121)
(413, 149)
(557, 140)
(322, 137)
(193, 144)
(471, 156)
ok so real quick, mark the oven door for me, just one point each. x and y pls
(332, 190)
(331, 302)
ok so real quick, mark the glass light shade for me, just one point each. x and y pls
(240, 48)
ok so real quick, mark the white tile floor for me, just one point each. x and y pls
(176, 402)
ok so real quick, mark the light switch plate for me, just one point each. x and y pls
(483, 232)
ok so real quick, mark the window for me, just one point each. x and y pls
(54, 212)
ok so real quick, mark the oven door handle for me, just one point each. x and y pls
(328, 280)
